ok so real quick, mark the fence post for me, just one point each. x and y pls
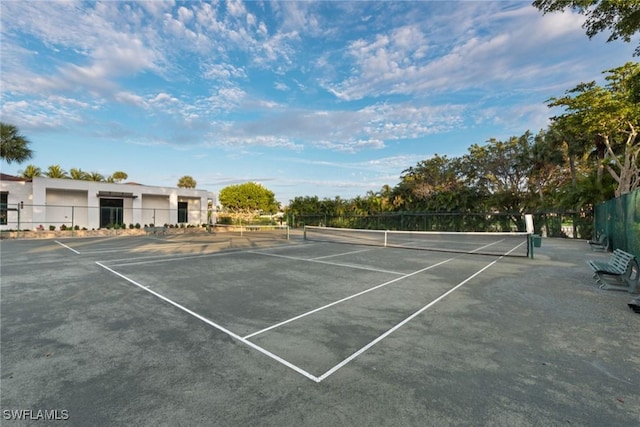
(20, 205)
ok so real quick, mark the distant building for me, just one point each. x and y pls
(27, 204)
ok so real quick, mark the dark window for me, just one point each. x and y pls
(183, 211)
(4, 197)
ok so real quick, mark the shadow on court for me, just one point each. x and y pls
(229, 330)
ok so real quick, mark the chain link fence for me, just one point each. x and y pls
(577, 225)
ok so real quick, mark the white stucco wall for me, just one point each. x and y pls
(18, 192)
(54, 202)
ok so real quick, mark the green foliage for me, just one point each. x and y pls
(186, 182)
(95, 176)
(611, 116)
(249, 197)
(622, 17)
(119, 176)
(224, 220)
(14, 147)
(75, 173)
(30, 172)
(55, 171)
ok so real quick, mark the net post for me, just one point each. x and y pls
(530, 245)
(287, 232)
(386, 232)
(304, 233)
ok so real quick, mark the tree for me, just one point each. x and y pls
(14, 147)
(95, 176)
(622, 17)
(78, 174)
(186, 182)
(434, 184)
(547, 174)
(501, 169)
(120, 176)
(55, 171)
(249, 197)
(30, 172)
(611, 116)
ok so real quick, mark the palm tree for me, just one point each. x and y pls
(13, 145)
(55, 171)
(79, 174)
(186, 182)
(30, 172)
(95, 176)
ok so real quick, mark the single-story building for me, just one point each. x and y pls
(28, 204)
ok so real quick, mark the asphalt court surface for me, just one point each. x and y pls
(313, 305)
(234, 331)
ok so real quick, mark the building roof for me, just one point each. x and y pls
(5, 177)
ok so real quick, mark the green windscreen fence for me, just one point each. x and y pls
(619, 218)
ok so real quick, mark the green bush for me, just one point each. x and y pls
(52, 228)
(224, 220)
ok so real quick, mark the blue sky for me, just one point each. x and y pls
(331, 98)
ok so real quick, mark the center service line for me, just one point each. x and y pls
(215, 325)
(399, 325)
(345, 299)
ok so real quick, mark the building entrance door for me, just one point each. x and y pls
(110, 212)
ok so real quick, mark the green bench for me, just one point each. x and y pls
(620, 272)
(601, 243)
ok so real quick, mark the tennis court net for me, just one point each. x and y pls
(485, 243)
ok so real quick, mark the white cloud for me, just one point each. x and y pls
(131, 99)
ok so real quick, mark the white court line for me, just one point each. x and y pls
(167, 246)
(345, 299)
(357, 267)
(169, 258)
(142, 247)
(343, 253)
(399, 325)
(67, 247)
(215, 325)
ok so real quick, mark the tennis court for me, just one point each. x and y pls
(313, 306)
(277, 318)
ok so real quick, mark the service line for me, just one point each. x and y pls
(345, 299)
(402, 323)
(215, 325)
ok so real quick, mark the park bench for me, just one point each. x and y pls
(601, 243)
(622, 268)
(155, 230)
